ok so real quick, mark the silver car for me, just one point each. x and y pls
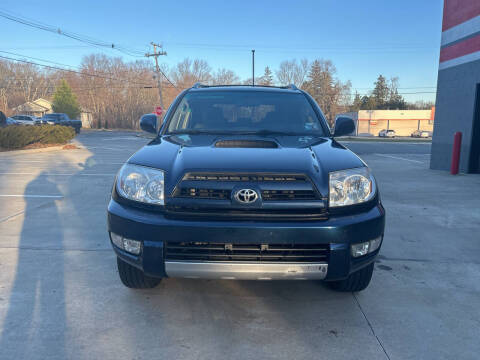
(387, 133)
(26, 120)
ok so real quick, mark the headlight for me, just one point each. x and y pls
(140, 183)
(352, 186)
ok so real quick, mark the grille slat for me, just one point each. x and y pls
(283, 195)
(244, 177)
(246, 252)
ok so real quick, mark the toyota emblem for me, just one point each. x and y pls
(246, 196)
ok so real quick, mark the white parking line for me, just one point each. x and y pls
(401, 158)
(50, 161)
(33, 196)
(48, 174)
(124, 138)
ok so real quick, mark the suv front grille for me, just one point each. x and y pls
(267, 195)
(284, 197)
(204, 251)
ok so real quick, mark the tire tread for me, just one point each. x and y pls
(134, 278)
(357, 281)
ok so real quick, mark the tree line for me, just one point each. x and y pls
(117, 93)
(385, 96)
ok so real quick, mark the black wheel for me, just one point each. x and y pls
(134, 278)
(357, 281)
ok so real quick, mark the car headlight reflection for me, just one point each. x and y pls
(141, 183)
(352, 186)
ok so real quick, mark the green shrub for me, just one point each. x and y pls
(16, 137)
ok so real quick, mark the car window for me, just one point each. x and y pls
(52, 117)
(237, 111)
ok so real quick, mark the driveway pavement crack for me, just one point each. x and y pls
(370, 326)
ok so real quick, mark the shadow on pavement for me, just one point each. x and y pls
(36, 312)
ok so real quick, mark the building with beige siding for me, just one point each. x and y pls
(40, 107)
(404, 122)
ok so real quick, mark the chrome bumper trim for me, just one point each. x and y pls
(246, 271)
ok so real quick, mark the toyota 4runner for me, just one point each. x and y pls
(246, 182)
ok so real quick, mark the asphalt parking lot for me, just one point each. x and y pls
(60, 296)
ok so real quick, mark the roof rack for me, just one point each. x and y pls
(199, 85)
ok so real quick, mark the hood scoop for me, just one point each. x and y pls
(265, 144)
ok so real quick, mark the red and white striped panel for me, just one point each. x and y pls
(461, 33)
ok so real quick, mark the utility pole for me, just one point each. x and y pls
(253, 67)
(157, 68)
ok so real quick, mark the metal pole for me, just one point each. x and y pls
(253, 67)
(457, 144)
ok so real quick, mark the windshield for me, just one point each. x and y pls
(245, 112)
(52, 116)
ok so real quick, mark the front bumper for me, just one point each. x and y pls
(246, 270)
(153, 229)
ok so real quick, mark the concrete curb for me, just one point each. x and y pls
(33, 151)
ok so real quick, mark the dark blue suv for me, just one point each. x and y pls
(246, 182)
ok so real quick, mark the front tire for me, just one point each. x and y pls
(357, 281)
(134, 278)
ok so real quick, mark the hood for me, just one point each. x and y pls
(315, 157)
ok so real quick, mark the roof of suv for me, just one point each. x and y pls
(287, 89)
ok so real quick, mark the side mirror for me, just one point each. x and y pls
(343, 126)
(148, 123)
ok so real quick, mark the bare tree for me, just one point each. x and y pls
(291, 72)
(224, 77)
(188, 72)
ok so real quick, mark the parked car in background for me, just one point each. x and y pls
(62, 119)
(421, 134)
(26, 120)
(10, 121)
(387, 133)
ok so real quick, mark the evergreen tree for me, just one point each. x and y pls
(65, 101)
(357, 102)
(381, 92)
(267, 78)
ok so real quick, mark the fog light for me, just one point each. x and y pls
(129, 245)
(366, 247)
(132, 246)
(360, 249)
(375, 244)
(117, 240)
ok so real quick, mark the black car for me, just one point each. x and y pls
(246, 182)
(62, 119)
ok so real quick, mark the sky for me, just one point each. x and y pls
(362, 38)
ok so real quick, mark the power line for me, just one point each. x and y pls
(35, 58)
(75, 36)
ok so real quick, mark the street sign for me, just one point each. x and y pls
(158, 110)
